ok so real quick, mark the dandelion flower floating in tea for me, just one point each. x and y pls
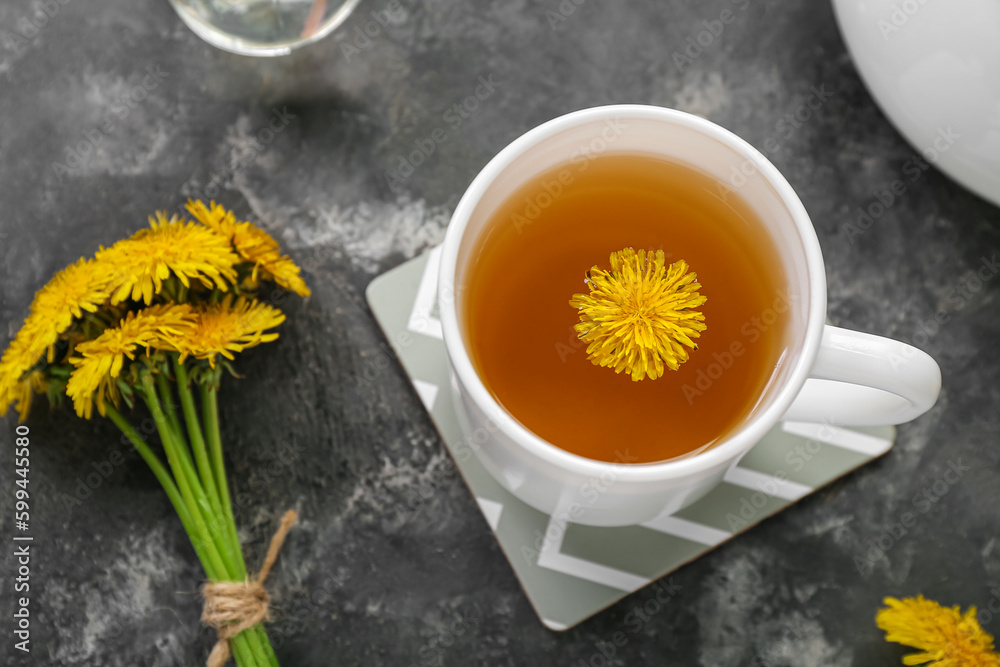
(640, 316)
(947, 637)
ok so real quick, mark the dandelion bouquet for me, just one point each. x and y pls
(155, 317)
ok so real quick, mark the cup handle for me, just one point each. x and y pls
(864, 380)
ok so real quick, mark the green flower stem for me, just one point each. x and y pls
(244, 653)
(167, 402)
(160, 472)
(205, 468)
(194, 429)
(246, 645)
(256, 639)
(219, 568)
(240, 644)
(268, 649)
(210, 412)
(223, 528)
(210, 421)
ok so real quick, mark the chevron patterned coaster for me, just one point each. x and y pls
(569, 571)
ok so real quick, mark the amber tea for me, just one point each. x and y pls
(533, 255)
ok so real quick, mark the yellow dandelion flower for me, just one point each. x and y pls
(35, 382)
(22, 392)
(227, 327)
(184, 249)
(252, 244)
(99, 361)
(80, 287)
(639, 316)
(947, 637)
(17, 393)
(22, 353)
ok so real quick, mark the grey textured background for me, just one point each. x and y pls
(115, 581)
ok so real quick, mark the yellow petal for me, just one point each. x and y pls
(639, 314)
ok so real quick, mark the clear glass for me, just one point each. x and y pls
(263, 27)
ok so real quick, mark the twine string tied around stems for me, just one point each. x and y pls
(234, 606)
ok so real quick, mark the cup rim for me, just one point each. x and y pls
(721, 453)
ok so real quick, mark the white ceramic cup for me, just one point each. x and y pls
(827, 374)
